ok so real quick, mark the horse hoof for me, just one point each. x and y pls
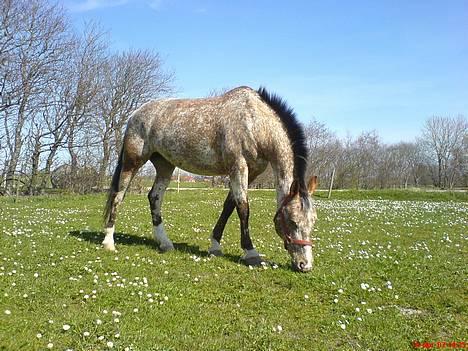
(166, 247)
(216, 253)
(109, 247)
(253, 261)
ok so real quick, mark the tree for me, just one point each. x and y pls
(32, 45)
(323, 148)
(128, 79)
(444, 139)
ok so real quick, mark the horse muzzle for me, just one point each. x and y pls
(301, 266)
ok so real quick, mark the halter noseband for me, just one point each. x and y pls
(287, 238)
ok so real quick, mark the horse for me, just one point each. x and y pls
(235, 134)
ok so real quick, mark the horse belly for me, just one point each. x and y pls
(199, 158)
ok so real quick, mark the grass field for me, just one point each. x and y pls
(387, 273)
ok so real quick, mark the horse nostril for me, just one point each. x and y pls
(301, 265)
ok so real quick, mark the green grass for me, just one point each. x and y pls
(395, 194)
(391, 272)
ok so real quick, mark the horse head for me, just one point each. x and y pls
(294, 221)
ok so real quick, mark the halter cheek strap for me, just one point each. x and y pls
(287, 237)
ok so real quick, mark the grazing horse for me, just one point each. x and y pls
(235, 134)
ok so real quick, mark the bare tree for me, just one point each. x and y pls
(444, 138)
(35, 33)
(128, 80)
(77, 93)
(324, 148)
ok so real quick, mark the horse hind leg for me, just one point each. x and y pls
(127, 166)
(164, 171)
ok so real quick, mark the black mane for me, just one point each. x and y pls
(295, 133)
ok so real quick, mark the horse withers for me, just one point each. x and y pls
(235, 134)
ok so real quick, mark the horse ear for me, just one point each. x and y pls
(312, 184)
(294, 190)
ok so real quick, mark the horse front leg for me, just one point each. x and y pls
(239, 187)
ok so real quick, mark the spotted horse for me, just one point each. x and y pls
(236, 134)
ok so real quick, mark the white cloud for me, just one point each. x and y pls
(89, 5)
(155, 4)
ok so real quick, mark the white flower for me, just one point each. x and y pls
(35, 276)
(66, 327)
(343, 326)
(306, 297)
(369, 310)
(335, 300)
(7, 312)
(110, 344)
(50, 345)
(340, 291)
(38, 335)
(98, 322)
(86, 334)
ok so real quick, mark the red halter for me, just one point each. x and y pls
(287, 238)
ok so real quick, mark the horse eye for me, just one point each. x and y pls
(293, 224)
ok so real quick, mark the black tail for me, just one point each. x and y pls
(114, 188)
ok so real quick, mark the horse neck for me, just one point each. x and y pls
(283, 169)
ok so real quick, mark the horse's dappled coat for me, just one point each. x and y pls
(236, 134)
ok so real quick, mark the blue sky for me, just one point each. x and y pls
(353, 65)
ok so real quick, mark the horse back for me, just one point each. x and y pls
(204, 136)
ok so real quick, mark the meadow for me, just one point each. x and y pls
(390, 273)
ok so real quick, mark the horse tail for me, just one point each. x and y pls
(114, 188)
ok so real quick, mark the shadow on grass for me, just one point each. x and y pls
(132, 240)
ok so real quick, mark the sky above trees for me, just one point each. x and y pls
(361, 65)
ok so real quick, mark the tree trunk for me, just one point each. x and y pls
(73, 161)
(35, 166)
(46, 181)
(439, 172)
(17, 145)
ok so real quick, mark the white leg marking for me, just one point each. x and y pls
(161, 238)
(250, 253)
(108, 241)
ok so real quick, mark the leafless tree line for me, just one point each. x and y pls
(439, 157)
(65, 98)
